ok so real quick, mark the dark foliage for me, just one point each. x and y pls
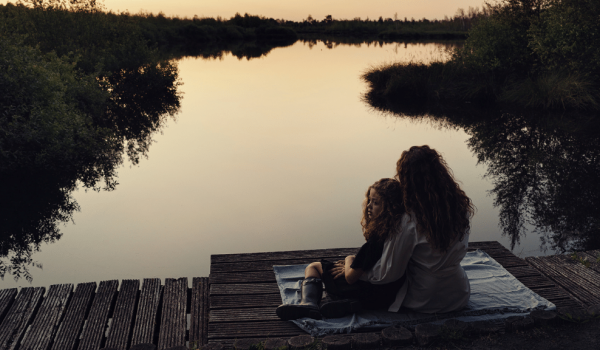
(537, 54)
(78, 90)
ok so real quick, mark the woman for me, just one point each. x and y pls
(434, 236)
(422, 259)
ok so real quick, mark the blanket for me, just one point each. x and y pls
(495, 294)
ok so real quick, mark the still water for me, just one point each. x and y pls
(267, 154)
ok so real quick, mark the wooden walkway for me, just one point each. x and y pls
(244, 295)
(580, 281)
(92, 317)
(236, 303)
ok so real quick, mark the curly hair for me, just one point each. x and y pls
(442, 210)
(382, 226)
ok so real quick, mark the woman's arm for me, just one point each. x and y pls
(342, 268)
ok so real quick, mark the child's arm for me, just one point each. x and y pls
(344, 269)
(352, 275)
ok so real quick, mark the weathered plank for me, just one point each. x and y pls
(244, 301)
(243, 289)
(265, 329)
(243, 315)
(199, 311)
(564, 279)
(173, 319)
(234, 343)
(96, 323)
(283, 255)
(265, 261)
(484, 245)
(510, 261)
(16, 321)
(584, 279)
(72, 323)
(47, 319)
(7, 297)
(580, 270)
(243, 277)
(523, 271)
(264, 265)
(145, 319)
(552, 294)
(315, 254)
(120, 327)
(563, 303)
(534, 282)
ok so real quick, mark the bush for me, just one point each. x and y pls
(567, 38)
(494, 44)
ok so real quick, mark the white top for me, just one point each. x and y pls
(435, 282)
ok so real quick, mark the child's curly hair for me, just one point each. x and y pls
(383, 226)
(441, 208)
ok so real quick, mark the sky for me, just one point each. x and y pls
(296, 10)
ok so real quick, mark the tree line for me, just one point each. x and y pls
(393, 29)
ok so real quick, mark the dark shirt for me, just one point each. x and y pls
(369, 254)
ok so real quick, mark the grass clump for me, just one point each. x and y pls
(553, 91)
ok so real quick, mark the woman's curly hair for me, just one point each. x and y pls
(442, 210)
(382, 226)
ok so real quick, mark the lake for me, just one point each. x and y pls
(267, 154)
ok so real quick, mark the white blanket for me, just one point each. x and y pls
(495, 294)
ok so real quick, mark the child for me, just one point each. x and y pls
(382, 213)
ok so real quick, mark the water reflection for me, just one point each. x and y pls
(544, 168)
(545, 172)
(332, 42)
(241, 49)
(439, 50)
(37, 195)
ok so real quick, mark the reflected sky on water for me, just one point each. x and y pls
(267, 154)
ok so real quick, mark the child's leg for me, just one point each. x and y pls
(314, 270)
(312, 290)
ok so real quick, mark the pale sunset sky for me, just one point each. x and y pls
(296, 10)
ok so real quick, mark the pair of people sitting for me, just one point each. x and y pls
(416, 228)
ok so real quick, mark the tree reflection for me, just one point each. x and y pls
(545, 169)
(332, 41)
(241, 49)
(36, 189)
(545, 173)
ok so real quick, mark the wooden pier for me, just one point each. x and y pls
(236, 304)
(243, 293)
(93, 317)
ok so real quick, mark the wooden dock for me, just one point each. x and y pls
(235, 304)
(243, 293)
(93, 317)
